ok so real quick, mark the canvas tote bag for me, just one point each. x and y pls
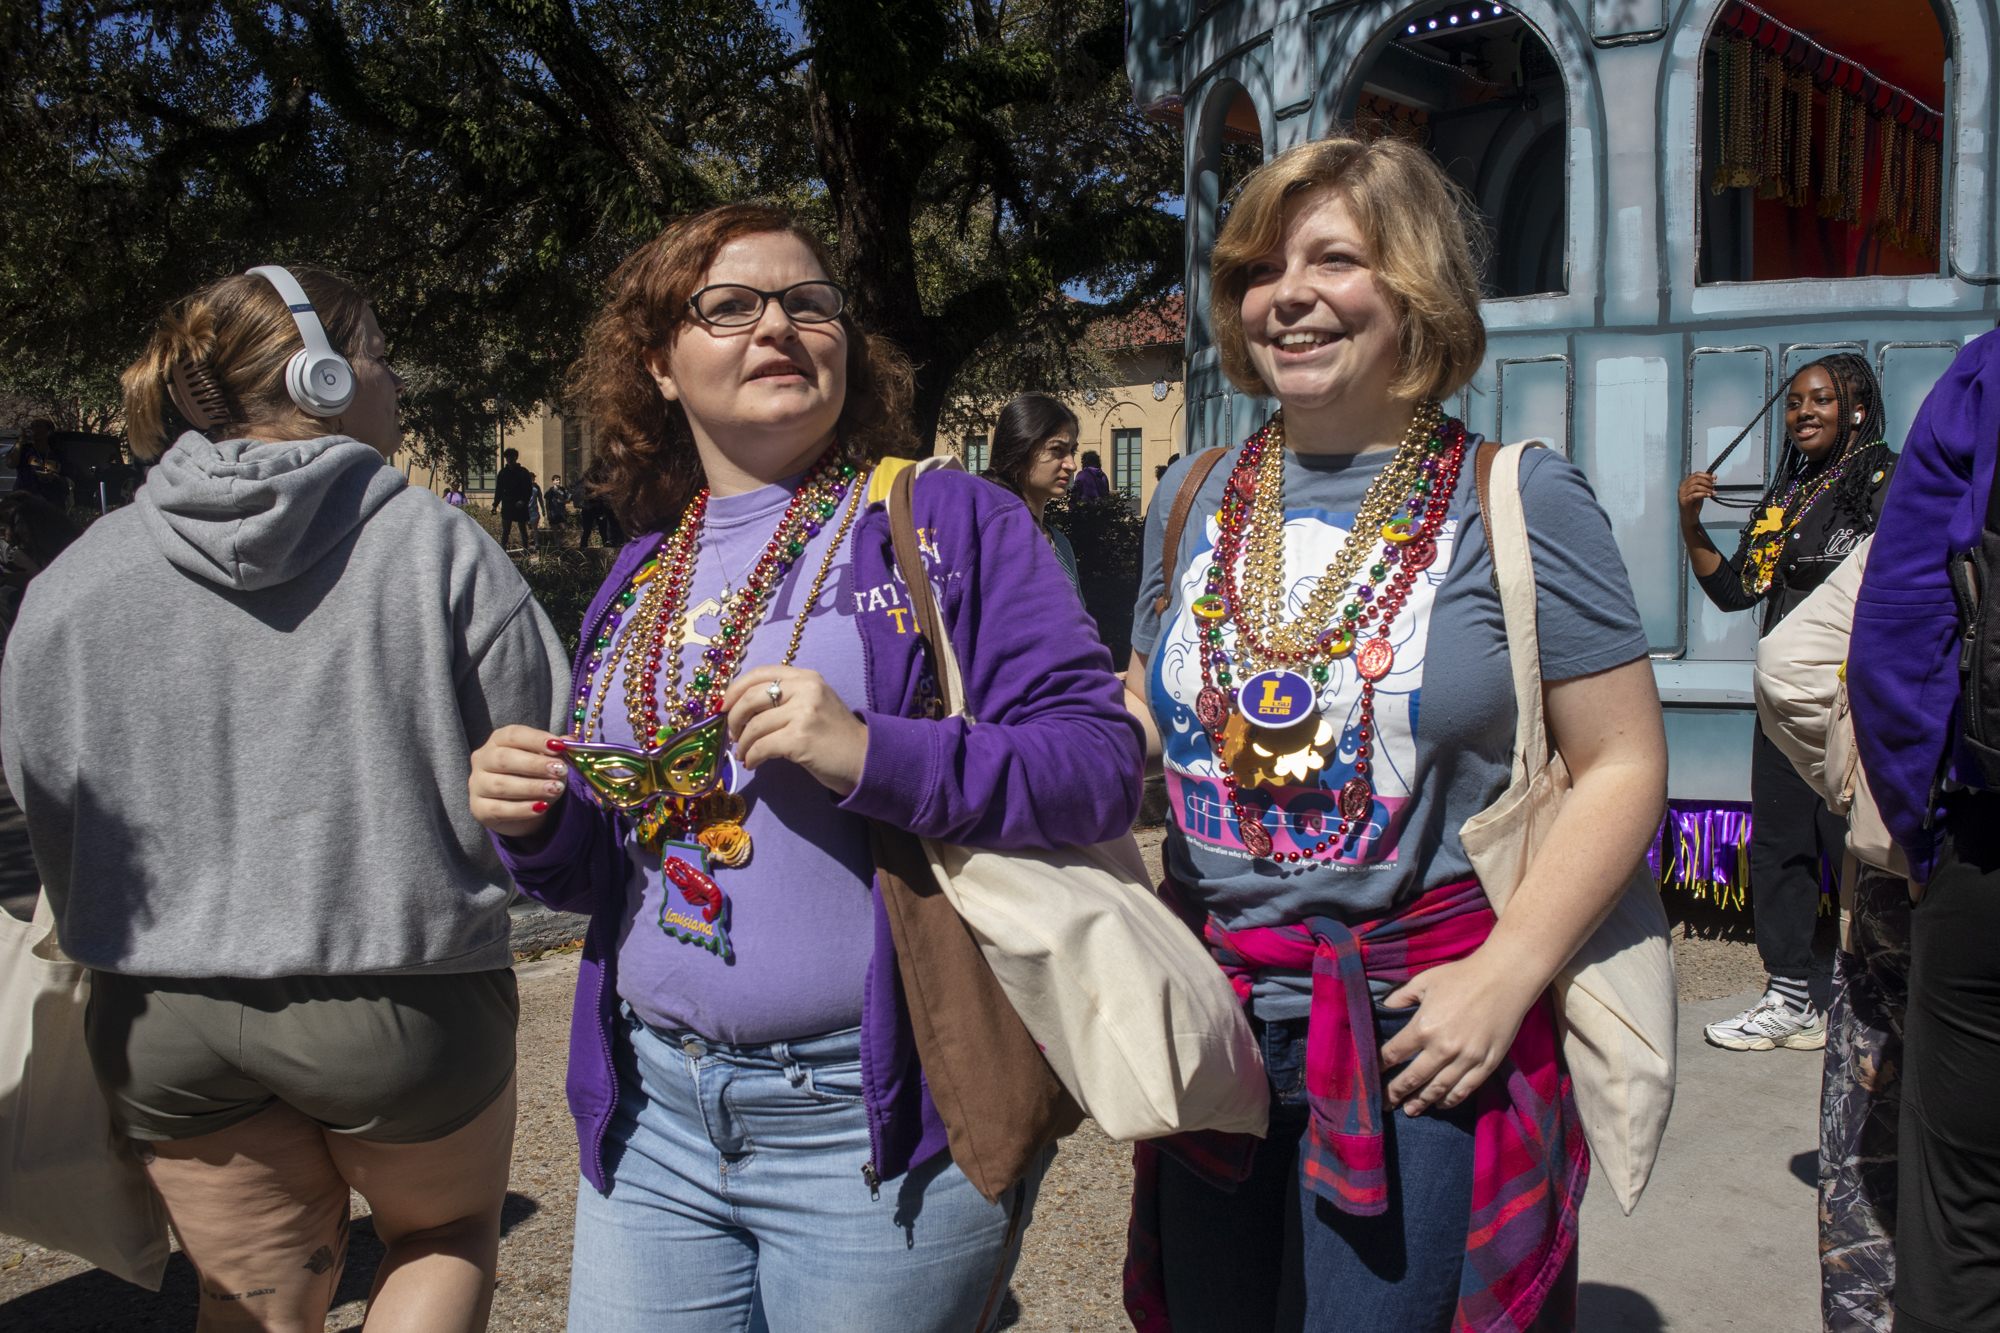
(1802, 705)
(1134, 1017)
(71, 1182)
(1617, 996)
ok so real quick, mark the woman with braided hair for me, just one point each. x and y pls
(1831, 481)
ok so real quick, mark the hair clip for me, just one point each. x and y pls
(198, 395)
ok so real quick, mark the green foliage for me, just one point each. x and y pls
(1109, 539)
(562, 577)
(564, 580)
(480, 166)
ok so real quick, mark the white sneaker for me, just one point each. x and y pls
(1767, 1025)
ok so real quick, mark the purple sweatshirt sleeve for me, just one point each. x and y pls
(1054, 760)
(1902, 667)
(575, 862)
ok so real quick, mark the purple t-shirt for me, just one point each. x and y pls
(802, 923)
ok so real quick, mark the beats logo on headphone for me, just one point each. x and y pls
(319, 379)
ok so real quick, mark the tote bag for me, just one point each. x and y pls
(71, 1182)
(1134, 1017)
(1617, 996)
(1802, 705)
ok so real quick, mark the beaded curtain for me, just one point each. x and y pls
(1766, 108)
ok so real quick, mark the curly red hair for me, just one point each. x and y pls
(650, 470)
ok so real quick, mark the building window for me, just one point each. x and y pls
(481, 466)
(1813, 163)
(1128, 456)
(975, 454)
(1479, 87)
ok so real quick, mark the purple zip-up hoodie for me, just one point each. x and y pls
(1902, 671)
(1055, 761)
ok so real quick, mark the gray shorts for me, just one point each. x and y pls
(388, 1059)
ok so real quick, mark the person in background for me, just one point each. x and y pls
(34, 533)
(454, 497)
(757, 1137)
(533, 528)
(1090, 483)
(1831, 482)
(235, 715)
(1321, 846)
(1034, 456)
(510, 496)
(558, 498)
(1943, 808)
(38, 465)
(595, 514)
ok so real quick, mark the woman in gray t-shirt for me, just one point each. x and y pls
(1322, 663)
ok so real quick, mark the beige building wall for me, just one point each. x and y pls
(540, 439)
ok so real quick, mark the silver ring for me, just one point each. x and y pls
(775, 690)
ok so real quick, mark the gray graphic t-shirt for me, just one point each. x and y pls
(1444, 715)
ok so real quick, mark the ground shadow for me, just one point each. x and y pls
(1805, 1166)
(96, 1302)
(1601, 1308)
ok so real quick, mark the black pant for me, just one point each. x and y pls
(1948, 1180)
(1791, 829)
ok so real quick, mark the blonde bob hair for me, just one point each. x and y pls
(241, 332)
(1423, 239)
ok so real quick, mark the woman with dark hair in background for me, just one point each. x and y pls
(1831, 481)
(1034, 456)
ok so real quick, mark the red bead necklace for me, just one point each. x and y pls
(1409, 548)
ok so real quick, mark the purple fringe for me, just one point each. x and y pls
(1703, 849)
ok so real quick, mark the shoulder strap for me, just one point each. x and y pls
(917, 584)
(1170, 549)
(1482, 475)
(1498, 476)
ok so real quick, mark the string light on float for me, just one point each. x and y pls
(1454, 18)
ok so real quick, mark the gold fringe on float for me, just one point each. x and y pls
(1764, 134)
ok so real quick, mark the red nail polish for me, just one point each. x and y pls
(557, 745)
(541, 806)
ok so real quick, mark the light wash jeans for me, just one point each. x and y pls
(737, 1203)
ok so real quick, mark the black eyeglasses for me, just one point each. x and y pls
(729, 306)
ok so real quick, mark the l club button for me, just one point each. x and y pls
(1276, 698)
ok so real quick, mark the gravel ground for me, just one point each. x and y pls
(1070, 1265)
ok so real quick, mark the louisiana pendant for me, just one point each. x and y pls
(1357, 800)
(704, 922)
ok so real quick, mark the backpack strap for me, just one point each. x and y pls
(1170, 549)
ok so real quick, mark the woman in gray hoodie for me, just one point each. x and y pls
(237, 715)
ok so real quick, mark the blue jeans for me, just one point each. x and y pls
(1272, 1256)
(737, 1203)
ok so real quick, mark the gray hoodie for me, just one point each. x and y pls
(239, 712)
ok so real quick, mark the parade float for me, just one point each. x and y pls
(1687, 202)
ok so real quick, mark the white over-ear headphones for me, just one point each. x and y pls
(319, 379)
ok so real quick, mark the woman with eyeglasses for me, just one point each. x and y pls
(772, 1135)
(1034, 456)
